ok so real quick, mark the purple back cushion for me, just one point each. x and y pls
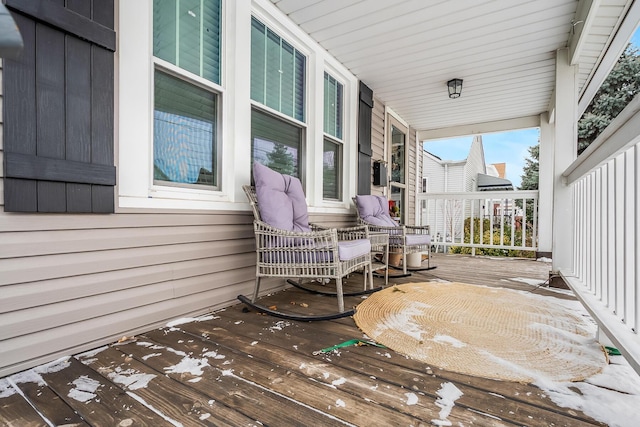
(280, 199)
(375, 210)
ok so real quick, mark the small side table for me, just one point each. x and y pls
(380, 243)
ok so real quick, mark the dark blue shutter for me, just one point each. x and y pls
(58, 108)
(365, 109)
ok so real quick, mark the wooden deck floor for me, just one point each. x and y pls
(240, 368)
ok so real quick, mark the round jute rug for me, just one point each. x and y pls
(486, 332)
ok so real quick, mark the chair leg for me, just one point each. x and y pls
(339, 294)
(256, 290)
(404, 261)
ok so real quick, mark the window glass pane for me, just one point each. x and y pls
(332, 106)
(184, 132)
(397, 155)
(277, 72)
(276, 143)
(186, 33)
(331, 170)
(616, 92)
(397, 200)
(258, 60)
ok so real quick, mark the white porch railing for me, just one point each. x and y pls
(502, 220)
(605, 274)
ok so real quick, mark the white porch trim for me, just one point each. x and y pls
(563, 154)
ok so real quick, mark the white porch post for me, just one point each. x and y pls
(545, 184)
(564, 153)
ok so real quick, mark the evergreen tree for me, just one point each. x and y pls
(531, 169)
(281, 160)
(618, 89)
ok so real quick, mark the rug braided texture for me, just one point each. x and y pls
(486, 332)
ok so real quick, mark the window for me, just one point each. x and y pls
(332, 106)
(331, 170)
(186, 33)
(184, 129)
(332, 150)
(425, 184)
(277, 72)
(276, 143)
(277, 82)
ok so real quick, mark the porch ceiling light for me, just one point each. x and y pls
(455, 88)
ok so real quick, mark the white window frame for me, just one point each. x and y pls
(134, 112)
(335, 140)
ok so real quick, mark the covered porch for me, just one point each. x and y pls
(72, 282)
(234, 367)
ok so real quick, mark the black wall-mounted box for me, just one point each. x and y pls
(379, 174)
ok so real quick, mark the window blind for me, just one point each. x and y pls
(277, 72)
(332, 106)
(187, 33)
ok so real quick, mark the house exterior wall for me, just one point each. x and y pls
(377, 139)
(475, 164)
(72, 282)
(412, 166)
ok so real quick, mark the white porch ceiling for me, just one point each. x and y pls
(406, 51)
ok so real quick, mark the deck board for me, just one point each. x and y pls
(238, 367)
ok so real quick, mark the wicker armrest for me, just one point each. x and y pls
(353, 233)
(417, 229)
(394, 231)
(327, 235)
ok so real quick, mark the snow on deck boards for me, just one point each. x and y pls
(241, 368)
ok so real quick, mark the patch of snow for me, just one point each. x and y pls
(84, 390)
(339, 381)
(149, 356)
(178, 352)
(55, 366)
(544, 259)
(449, 340)
(227, 373)
(195, 380)
(403, 321)
(412, 399)
(254, 343)
(279, 325)
(340, 404)
(447, 396)
(204, 416)
(130, 378)
(188, 364)
(6, 389)
(214, 354)
(184, 320)
(30, 376)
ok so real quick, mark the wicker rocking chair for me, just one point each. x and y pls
(296, 250)
(373, 212)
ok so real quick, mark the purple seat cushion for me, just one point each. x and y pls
(281, 199)
(375, 210)
(418, 239)
(350, 249)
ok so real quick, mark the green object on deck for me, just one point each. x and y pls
(348, 344)
(612, 351)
